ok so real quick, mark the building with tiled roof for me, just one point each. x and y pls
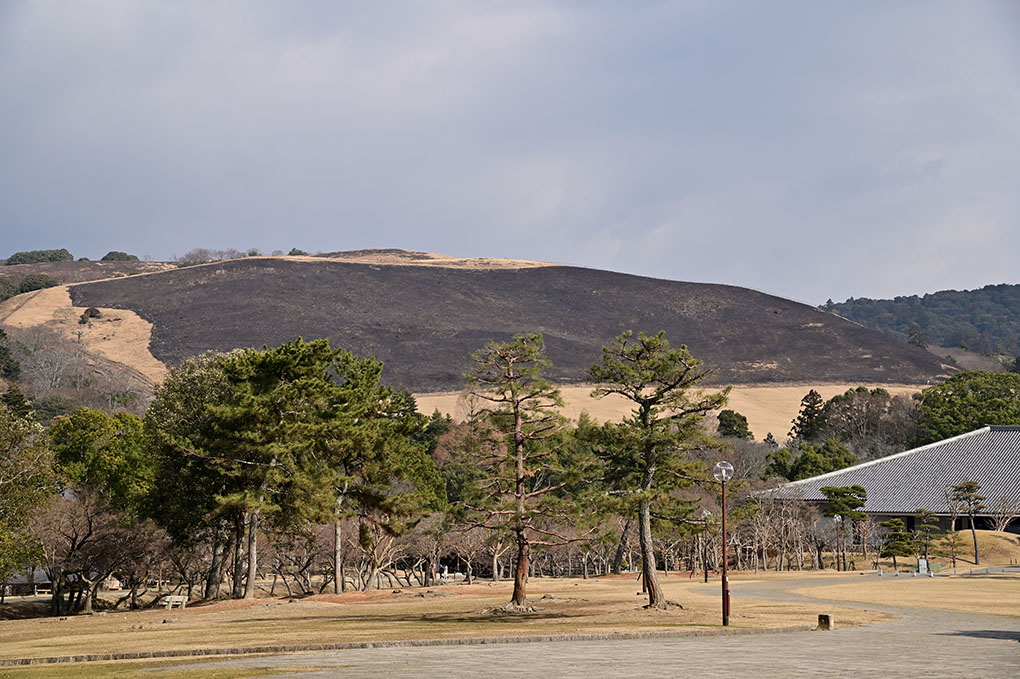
(900, 484)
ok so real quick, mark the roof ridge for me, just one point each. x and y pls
(862, 465)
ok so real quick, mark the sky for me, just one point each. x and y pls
(809, 149)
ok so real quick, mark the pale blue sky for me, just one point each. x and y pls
(810, 149)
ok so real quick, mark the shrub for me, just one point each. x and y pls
(37, 281)
(295, 252)
(118, 256)
(7, 289)
(89, 314)
(37, 256)
(54, 405)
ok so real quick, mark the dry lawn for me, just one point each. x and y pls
(998, 594)
(768, 408)
(564, 606)
(190, 668)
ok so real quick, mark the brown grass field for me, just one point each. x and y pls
(998, 594)
(602, 605)
(768, 408)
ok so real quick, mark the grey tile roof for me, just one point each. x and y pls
(905, 482)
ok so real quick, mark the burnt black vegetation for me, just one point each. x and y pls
(424, 322)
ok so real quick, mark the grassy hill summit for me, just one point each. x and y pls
(423, 314)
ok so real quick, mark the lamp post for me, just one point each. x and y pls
(704, 542)
(723, 472)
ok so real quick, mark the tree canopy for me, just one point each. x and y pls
(26, 482)
(734, 425)
(984, 320)
(810, 460)
(39, 256)
(118, 256)
(105, 453)
(967, 402)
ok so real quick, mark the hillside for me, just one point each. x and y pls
(424, 321)
(984, 321)
(77, 272)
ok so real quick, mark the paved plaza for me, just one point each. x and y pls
(918, 643)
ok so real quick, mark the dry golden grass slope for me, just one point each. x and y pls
(768, 408)
(410, 258)
(118, 336)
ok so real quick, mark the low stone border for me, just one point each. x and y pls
(351, 645)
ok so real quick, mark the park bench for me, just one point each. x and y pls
(43, 591)
(178, 599)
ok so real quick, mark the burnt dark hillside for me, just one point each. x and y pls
(424, 322)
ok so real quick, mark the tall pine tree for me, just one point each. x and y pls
(649, 465)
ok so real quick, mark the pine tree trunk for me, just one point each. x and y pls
(521, 572)
(249, 584)
(237, 587)
(215, 575)
(973, 532)
(649, 577)
(337, 558)
(620, 547)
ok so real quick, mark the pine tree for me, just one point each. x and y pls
(734, 425)
(845, 504)
(518, 451)
(649, 464)
(927, 526)
(10, 368)
(16, 402)
(897, 540)
(807, 426)
(915, 336)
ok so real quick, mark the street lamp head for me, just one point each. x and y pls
(723, 471)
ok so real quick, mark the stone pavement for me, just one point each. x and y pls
(919, 643)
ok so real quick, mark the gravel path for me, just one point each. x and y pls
(918, 643)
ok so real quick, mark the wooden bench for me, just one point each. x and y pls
(43, 591)
(178, 599)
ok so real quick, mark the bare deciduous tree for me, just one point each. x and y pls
(1004, 511)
